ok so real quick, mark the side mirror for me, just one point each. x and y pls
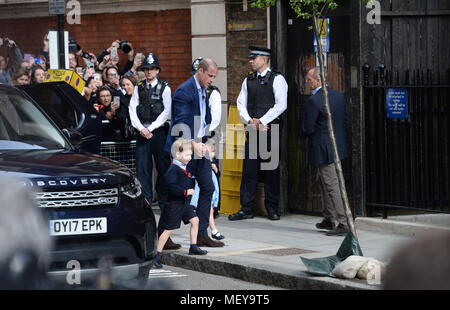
(74, 137)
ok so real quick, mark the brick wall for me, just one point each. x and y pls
(237, 46)
(165, 33)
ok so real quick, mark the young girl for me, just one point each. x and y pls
(179, 182)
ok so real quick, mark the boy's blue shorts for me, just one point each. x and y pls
(175, 212)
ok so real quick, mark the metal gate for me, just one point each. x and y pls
(407, 159)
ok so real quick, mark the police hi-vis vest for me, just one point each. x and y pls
(150, 101)
(260, 97)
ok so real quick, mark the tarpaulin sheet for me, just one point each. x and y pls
(324, 266)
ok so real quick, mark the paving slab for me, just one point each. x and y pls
(268, 252)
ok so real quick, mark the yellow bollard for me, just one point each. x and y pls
(232, 164)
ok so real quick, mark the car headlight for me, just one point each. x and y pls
(133, 189)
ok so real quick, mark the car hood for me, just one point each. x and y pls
(54, 169)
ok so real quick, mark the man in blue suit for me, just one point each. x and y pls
(320, 151)
(191, 116)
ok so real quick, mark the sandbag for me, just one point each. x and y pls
(371, 270)
(365, 268)
(349, 267)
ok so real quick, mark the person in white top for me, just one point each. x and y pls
(262, 100)
(150, 108)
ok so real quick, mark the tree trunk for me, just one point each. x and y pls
(337, 161)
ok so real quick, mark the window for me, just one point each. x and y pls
(60, 110)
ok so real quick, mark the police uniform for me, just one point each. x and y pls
(263, 96)
(150, 107)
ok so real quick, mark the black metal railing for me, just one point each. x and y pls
(407, 160)
(123, 152)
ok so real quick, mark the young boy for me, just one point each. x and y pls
(211, 148)
(179, 182)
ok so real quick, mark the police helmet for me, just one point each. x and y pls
(195, 64)
(150, 62)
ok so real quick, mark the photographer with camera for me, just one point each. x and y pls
(76, 52)
(113, 58)
(6, 74)
(112, 80)
(138, 59)
(108, 106)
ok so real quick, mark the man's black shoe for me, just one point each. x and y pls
(273, 217)
(241, 215)
(339, 231)
(325, 224)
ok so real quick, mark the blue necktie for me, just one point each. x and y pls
(202, 111)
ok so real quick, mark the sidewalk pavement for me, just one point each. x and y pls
(268, 252)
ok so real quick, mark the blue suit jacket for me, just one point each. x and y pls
(185, 106)
(315, 126)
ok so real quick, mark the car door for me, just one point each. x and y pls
(69, 110)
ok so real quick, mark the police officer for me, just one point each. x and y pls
(150, 107)
(262, 99)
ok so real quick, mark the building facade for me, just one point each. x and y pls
(410, 38)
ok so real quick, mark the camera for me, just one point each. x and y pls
(5, 41)
(125, 46)
(75, 48)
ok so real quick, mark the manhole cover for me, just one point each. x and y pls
(285, 252)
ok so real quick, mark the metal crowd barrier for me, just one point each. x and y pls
(123, 152)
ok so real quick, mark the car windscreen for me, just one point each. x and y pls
(23, 126)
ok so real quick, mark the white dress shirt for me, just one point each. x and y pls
(280, 89)
(315, 90)
(202, 103)
(161, 119)
(215, 105)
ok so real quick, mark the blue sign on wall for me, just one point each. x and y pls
(397, 103)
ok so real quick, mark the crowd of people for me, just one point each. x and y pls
(108, 88)
(136, 102)
(19, 70)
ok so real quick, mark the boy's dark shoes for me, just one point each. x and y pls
(170, 245)
(157, 265)
(195, 250)
(207, 241)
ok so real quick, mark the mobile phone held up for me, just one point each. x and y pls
(116, 102)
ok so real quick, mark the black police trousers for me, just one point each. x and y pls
(250, 174)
